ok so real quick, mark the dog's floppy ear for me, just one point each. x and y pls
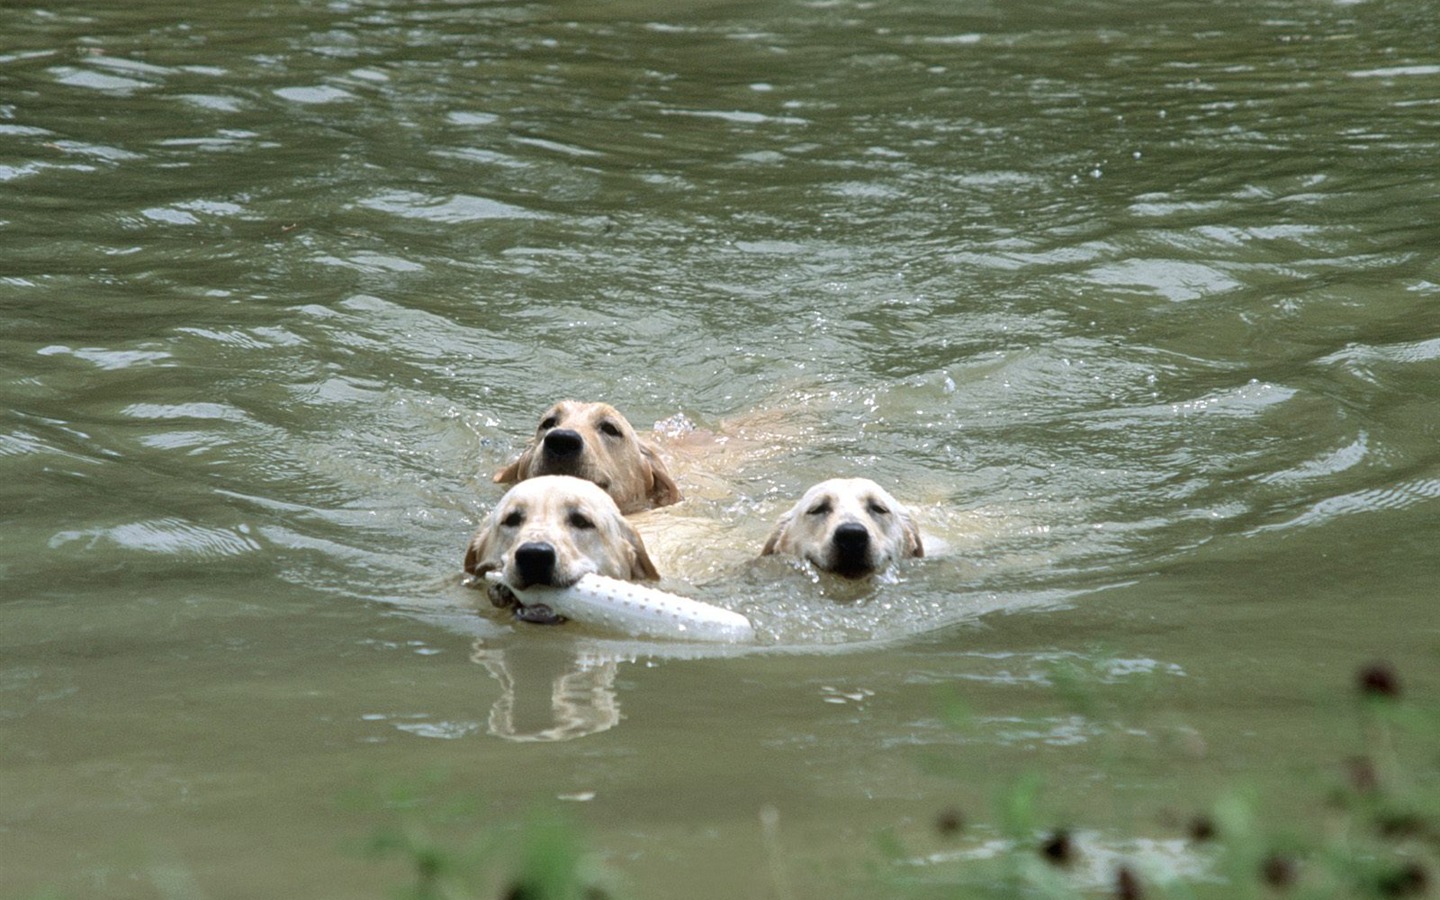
(913, 546)
(662, 489)
(641, 568)
(772, 544)
(478, 549)
(517, 470)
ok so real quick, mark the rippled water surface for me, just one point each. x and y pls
(1136, 305)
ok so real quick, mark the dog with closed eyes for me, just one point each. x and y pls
(595, 442)
(849, 526)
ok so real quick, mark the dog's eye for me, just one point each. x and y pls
(878, 508)
(513, 520)
(820, 509)
(549, 422)
(610, 428)
(581, 521)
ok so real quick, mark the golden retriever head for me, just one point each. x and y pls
(552, 530)
(594, 442)
(849, 526)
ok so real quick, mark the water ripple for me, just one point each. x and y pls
(1325, 465)
(98, 81)
(104, 358)
(452, 209)
(167, 536)
(1364, 359)
(1391, 497)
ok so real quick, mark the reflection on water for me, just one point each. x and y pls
(580, 691)
(1136, 307)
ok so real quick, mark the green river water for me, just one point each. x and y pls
(1136, 304)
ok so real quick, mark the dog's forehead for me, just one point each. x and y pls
(570, 504)
(857, 501)
(875, 493)
(585, 410)
(557, 491)
(850, 493)
(598, 412)
(558, 411)
(517, 499)
(822, 492)
(845, 487)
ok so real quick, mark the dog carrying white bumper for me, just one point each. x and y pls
(635, 609)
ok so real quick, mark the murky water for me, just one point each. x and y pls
(1137, 305)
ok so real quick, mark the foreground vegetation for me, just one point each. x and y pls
(1376, 834)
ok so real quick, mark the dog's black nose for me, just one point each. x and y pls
(535, 563)
(852, 536)
(562, 442)
(852, 549)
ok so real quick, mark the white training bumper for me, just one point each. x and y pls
(635, 609)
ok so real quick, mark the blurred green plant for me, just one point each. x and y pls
(1375, 834)
(453, 852)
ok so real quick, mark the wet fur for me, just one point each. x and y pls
(850, 526)
(599, 446)
(575, 519)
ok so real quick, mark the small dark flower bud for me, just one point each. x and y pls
(1398, 825)
(520, 891)
(950, 822)
(1127, 885)
(1058, 849)
(1202, 829)
(1363, 777)
(1379, 680)
(1278, 871)
(1410, 880)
